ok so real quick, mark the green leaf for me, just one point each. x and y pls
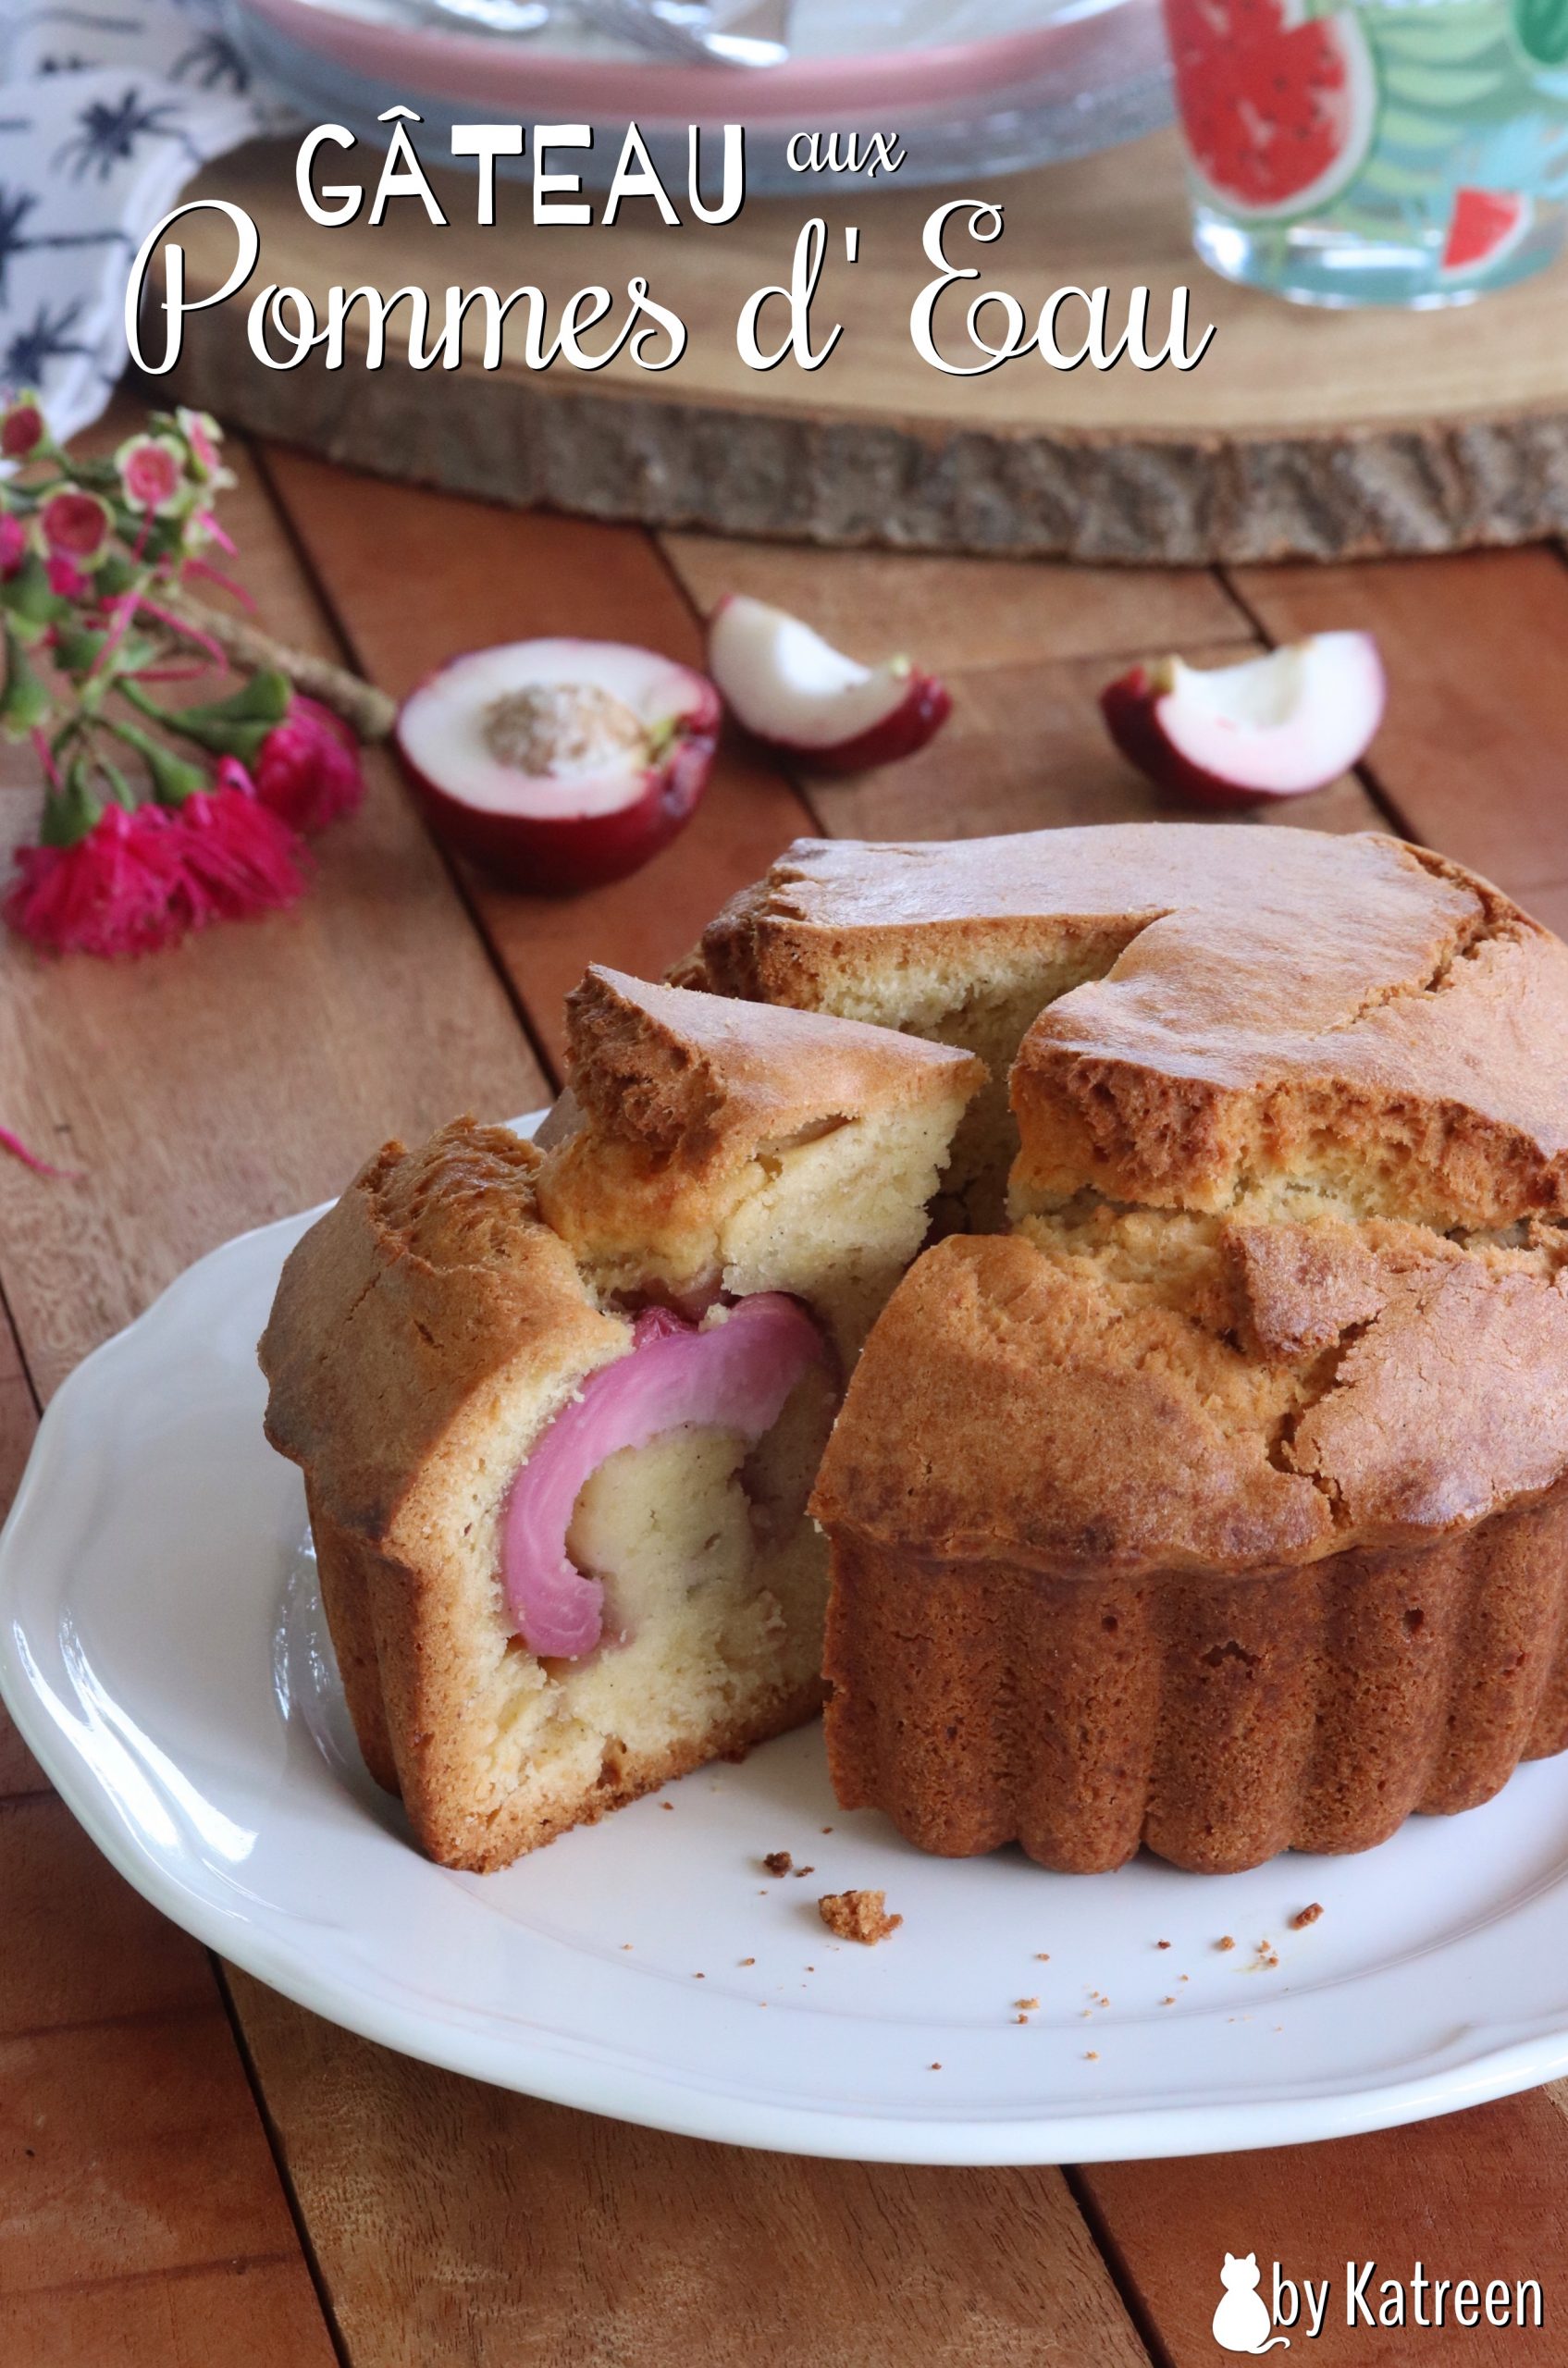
(1400, 129)
(24, 703)
(120, 787)
(235, 726)
(173, 780)
(1441, 86)
(1436, 37)
(69, 811)
(27, 600)
(1540, 27)
(77, 650)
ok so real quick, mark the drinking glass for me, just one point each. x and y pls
(1393, 152)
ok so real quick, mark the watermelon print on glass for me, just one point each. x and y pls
(1396, 151)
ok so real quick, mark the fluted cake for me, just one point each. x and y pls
(1206, 1486)
(1219, 1505)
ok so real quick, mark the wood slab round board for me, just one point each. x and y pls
(1301, 433)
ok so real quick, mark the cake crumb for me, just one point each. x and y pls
(1092, 2056)
(749, 1960)
(936, 2068)
(1028, 2004)
(666, 1804)
(699, 1976)
(1041, 1957)
(1020, 2018)
(1306, 1915)
(625, 1945)
(1226, 1940)
(1162, 1945)
(857, 1915)
(805, 1870)
(778, 1862)
(1167, 2002)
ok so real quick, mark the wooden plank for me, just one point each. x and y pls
(233, 1080)
(955, 614)
(81, 1945)
(20, 1772)
(1475, 2195)
(486, 574)
(133, 2145)
(1470, 754)
(1025, 748)
(244, 2314)
(461, 2224)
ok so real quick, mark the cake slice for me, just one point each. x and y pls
(559, 1414)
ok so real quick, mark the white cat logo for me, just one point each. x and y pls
(1243, 2321)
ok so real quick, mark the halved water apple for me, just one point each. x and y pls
(797, 693)
(557, 765)
(732, 1372)
(1271, 727)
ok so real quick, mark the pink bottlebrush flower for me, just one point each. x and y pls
(237, 859)
(66, 579)
(22, 429)
(307, 770)
(112, 892)
(152, 472)
(12, 1143)
(75, 525)
(13, 544)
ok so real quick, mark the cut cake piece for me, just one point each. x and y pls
(722, 1146)
(445, 1362)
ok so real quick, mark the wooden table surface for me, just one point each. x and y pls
(194, 2173)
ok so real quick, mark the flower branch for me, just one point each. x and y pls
(157, 818)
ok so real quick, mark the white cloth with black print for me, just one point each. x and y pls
(106, 112)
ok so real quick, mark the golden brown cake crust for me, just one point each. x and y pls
(1260, 998)
(402, 1302)
(1214, 1720)
(687, 1078)
(1223, 1507)
(823, 896)
(1385, 1026)
(1008, 1405)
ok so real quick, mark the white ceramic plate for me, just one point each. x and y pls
(162, 1650)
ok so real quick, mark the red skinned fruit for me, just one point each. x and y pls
(1271, 727)
(559, 765)
(793, 690)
